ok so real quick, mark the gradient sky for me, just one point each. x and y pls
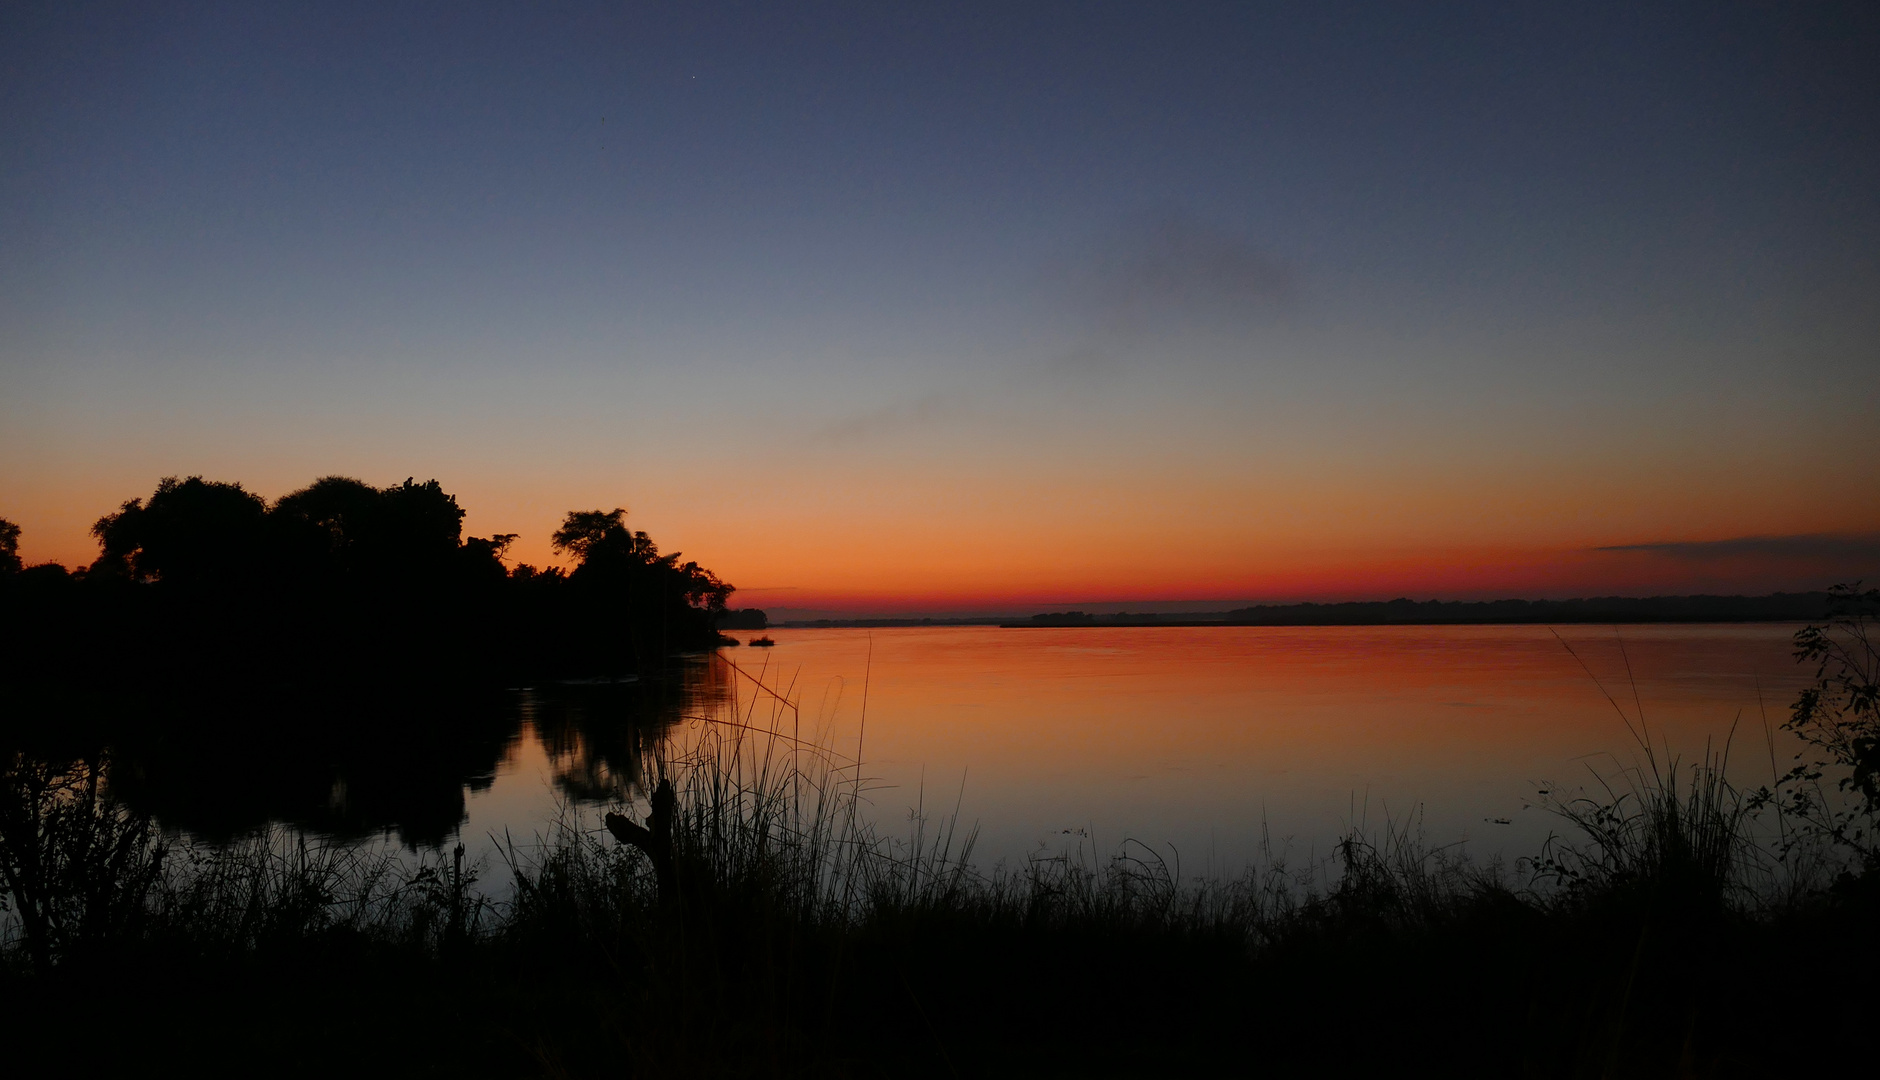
(877, 309)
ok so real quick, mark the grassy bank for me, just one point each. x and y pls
(749, 919)
(1656, 936)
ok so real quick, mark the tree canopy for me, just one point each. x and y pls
(343, 577)
(193, 531)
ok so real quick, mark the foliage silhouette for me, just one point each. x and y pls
(339, 661)
(1838, 718)
(77, 863)
(194, 532)
(621, 570)
(9, 547)
(343, 582)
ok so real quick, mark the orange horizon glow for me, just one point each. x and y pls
(1225, 305)
(1004, 556)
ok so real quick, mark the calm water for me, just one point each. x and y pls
(1197, 740)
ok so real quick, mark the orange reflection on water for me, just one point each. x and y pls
(1198, 736)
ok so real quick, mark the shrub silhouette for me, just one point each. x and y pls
(1838, 720)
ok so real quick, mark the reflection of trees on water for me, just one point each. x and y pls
(352, 767)
(347, 768)
(600, 738)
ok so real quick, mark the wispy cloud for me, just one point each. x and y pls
(1180, 266)
(1861, 548)
(1175, 289)
(890, 419)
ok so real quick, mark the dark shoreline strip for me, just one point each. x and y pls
(1616, 610)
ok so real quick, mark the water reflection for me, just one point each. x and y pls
(600, 737)
(402, 765)
(1208, 741)
(1204, 741)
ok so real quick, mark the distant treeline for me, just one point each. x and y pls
(825, 624)
(743, 619)
(1776, 607)
(343, 582)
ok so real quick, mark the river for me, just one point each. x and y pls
(1212, 744)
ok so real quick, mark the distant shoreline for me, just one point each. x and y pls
(1617, 610)
(1173, 625)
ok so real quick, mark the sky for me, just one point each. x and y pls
(888, 308)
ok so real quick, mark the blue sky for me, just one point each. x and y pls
(1418, 288)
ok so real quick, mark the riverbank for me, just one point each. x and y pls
(754, 916)
(789, 937)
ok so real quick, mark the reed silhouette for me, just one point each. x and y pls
(758, 922)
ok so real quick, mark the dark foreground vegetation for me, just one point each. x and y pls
(746, 919)
(1658, 938)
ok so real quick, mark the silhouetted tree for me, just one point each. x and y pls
(9, 547)
(192, 532)
(482, 557)
(343, 582)
(629, 595)
(405, 533)
(423, 523)
(602, 534)
(609, 551)
(326, 522)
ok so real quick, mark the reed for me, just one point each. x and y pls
(797, 935)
